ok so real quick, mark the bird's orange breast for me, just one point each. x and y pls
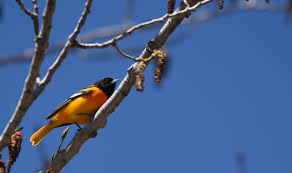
(78, 110)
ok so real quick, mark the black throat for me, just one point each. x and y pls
(108, 90)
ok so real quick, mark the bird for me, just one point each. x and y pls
(79, 108)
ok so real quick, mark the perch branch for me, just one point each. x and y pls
(122, 91)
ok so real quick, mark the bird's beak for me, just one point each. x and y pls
(115, 81)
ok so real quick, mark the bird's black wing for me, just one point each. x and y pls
(66, 102)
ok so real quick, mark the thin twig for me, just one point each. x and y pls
(36, 18)
(32, 15)
(153, 55)
(35, 6)
(54, 156)
(186, 3)
(25, 10)
(26, 99)
(94, 34)
(138, 27)
(110, 31)
(63, 54)
(123, 53)
(122, 91)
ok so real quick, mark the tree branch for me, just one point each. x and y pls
(26, 98)
(123, 53)
(68, 46)
(122, 91)
(32, 15)
(86, 37)
(36, 13)
(118, 29)
(135, 28)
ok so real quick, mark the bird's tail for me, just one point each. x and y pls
(38, 136)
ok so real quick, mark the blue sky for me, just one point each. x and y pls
(228, 90)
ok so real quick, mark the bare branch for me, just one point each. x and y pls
(86, 37)
(35, 6)
(54, 156)
(35, 19)
(118, 29)
(25, 10)
(68, 46)
(26, 98)
(123, 53)
(32, 15)
(90, 130)
(186, 3)
(138, 27)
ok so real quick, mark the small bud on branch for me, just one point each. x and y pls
(14, 148)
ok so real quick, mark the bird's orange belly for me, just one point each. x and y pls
(80, 109)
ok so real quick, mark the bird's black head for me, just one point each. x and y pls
(107, 85)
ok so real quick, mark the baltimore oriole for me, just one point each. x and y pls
(78, 108)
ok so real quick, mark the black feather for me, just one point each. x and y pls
(66, 102)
